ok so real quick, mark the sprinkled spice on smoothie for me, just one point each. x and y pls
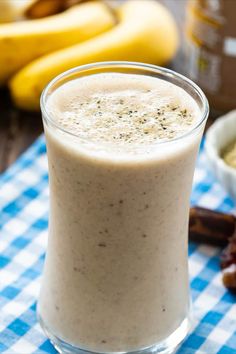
(123, 117)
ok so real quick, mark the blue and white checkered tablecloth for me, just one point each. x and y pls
(23, 239)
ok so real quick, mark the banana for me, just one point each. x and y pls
(145, 32)
(21, 42)
(11, 10)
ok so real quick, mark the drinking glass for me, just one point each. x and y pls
(116, 272)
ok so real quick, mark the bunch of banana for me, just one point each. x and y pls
(138, 30)
(22, 42)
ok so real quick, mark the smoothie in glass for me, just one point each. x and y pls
(121, 151)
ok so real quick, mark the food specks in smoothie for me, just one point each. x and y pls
(103, 341)
(57, 307)
(121, 201)
(163, 309)
(75, 269)
(102, 244)
(126, 116)
(144, 235)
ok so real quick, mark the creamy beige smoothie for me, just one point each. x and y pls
(121, 168)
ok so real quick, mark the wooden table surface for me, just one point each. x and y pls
(19, 129)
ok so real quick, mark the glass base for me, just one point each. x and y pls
(167, 346)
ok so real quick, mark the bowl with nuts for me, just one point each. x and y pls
(220, 148)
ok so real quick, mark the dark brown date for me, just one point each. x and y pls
(219, 229)
(208, 226)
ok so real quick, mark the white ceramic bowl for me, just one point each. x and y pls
(219, 135)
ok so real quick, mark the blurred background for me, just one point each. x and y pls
(41, 38)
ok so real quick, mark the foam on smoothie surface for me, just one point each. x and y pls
(123, 109)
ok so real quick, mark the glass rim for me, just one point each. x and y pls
(132, 65)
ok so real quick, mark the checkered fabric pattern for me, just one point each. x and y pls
(23, 238)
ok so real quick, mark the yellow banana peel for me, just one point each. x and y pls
(146, 32)
(11, 10)
(22, 42)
